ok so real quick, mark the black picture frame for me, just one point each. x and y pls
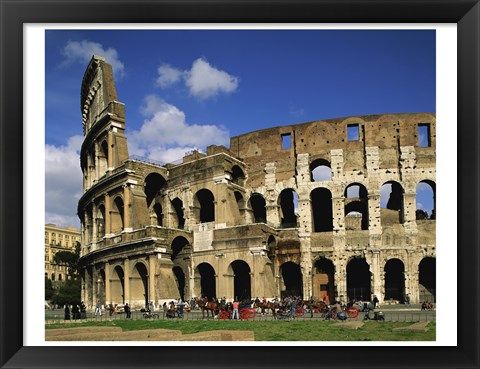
(465, 13)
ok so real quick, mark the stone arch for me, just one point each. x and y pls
(242, 289)
(204, 203)
(180, 245)
(181, 281)
(320, 170)
(394, 280)
(117, 285)
(139, 293)
(100, 221)
(238, 176)
(391, 203)
(322, 210)
(291, 279)
(356, 207)
(324, 280)
(101, 287)
(358, 279)
(177, 205)
(258, 205)
(288, 201)
(239, 199)
(117, 216)
(427, 282)
(425, 192)
(154, 182)
(180, 257)
(205, 281)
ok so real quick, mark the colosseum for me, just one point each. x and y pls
(324, 209)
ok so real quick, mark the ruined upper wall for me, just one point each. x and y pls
(98, 94)
(388, 132)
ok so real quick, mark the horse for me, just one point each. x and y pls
(314, 305)
(268, 305)
(207, 306)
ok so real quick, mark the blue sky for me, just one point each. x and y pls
(211, 85)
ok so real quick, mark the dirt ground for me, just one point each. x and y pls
(116, 334)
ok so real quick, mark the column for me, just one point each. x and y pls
(94, 226)
(86, 235)
(110, 150)
(377, 280)
(409, 207)
(151, 278)
(95, 156)
(126, 281)
(127, 208)
(108, 217)
(108, 297)
(374, 214)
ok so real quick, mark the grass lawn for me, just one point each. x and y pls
(278, 330)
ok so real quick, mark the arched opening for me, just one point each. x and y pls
(139, 294)
(157, 209)
(207, 281)
(322, 211)
(425, 200)
(179, 245)
(53, 276)
(323, 281)
(180, 279)
(205, 203)
(427, 272)
(238, 177)
(320, 170)
(358, 280)
(153, 184)
(241, 280)
(289, 208)
(177, 205)
(103, 158)
(394, 280)
(100, 221)
(117, 286)
(292, 279)
(239, 200)
(356, 207)
(117, 215)
(391, 203)
(258, 205)
(101, 287)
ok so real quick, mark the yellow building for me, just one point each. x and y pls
(58, 239)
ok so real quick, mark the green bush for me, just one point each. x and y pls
(68, 293)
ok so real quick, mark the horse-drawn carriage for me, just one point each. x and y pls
(224, 311)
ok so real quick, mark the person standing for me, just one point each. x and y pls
(67, 312)
(235, 309)
(375, 301)
(98, 310)
(128, 311)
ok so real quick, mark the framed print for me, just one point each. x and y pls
(112, 212)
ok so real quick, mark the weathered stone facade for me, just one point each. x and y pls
(285, 210)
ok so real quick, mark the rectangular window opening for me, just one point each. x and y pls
(286, 141)
(424, 135)
(353, 133)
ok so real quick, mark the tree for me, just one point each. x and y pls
(70, 259)
(49, 290)
(68, 293)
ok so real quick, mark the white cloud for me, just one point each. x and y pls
(82, 52)
(63, 182)
(203, 80)
(165, 135)
(168, 75)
